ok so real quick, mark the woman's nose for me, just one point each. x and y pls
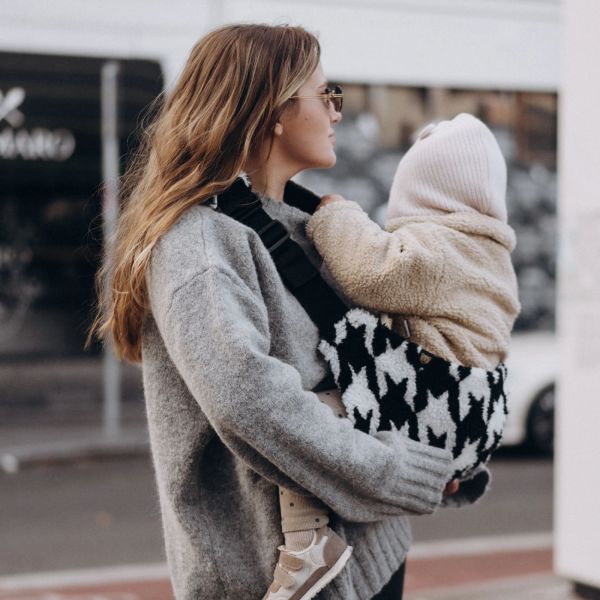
(336, 117)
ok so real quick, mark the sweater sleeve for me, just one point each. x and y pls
(394, 272)
(216, 331)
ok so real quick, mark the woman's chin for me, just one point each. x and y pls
(323, 162)
(329, 161)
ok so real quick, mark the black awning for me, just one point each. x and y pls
(50, 176)
(50, 118)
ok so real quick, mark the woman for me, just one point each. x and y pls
(228, 354)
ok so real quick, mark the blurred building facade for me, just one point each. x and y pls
(402, 63)
(50, 201)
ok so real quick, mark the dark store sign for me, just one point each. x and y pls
(50, 195)
(38, 143)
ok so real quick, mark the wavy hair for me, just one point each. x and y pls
(234, 87)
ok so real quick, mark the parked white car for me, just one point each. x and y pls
(532, 371)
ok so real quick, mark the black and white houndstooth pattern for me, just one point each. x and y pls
(389, 383)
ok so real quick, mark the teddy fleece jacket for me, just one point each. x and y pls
(228, 359)
(449, 276)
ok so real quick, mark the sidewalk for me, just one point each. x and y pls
(150, 582)
(51, 411)
(534, 587)
(28, 445)
(517, 574)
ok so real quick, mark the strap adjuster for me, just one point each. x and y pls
(273, 225)
(244, 211)
(278, 242)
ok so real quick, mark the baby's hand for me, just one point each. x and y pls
(329, 198)
(452, 487)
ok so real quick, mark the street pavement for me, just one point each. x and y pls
(79, 517)
(90, 513)
(88, 528)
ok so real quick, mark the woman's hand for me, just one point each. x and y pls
(329, 198)
(452, 487)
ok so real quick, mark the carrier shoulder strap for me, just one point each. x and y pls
(298, 273)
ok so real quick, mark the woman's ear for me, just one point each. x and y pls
(278, 128)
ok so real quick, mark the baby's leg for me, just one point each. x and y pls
(301, 515)
(304, 521)
(333, 399)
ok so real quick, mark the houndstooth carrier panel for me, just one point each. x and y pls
(389, 383)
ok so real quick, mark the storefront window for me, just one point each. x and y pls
(50, 214)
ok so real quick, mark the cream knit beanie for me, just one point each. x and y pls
(454, 166)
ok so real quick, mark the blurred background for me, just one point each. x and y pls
(78, 510)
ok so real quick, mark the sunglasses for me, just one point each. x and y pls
(333, 98)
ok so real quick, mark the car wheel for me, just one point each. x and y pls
(540, 422)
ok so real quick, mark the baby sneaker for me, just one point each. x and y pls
(302, 574)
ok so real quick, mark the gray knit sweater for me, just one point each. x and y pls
(228, 358)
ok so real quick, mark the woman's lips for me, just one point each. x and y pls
(332, 138)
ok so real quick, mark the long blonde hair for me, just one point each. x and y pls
(234, 87)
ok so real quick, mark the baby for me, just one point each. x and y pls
(440, 269)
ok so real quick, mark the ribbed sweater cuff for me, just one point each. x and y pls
(422, 474)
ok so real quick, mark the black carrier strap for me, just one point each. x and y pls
(298, 273)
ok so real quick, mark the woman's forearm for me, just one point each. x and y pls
(217, 335)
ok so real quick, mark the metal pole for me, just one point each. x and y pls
(111, 413)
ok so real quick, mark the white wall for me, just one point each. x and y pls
(577, 481)
(503, 44)
(461, 43)
(156, 29)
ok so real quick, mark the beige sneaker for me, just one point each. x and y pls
(301, 574)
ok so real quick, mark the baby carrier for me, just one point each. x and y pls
(386, 381)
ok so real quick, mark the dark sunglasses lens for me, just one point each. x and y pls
(339, 101)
